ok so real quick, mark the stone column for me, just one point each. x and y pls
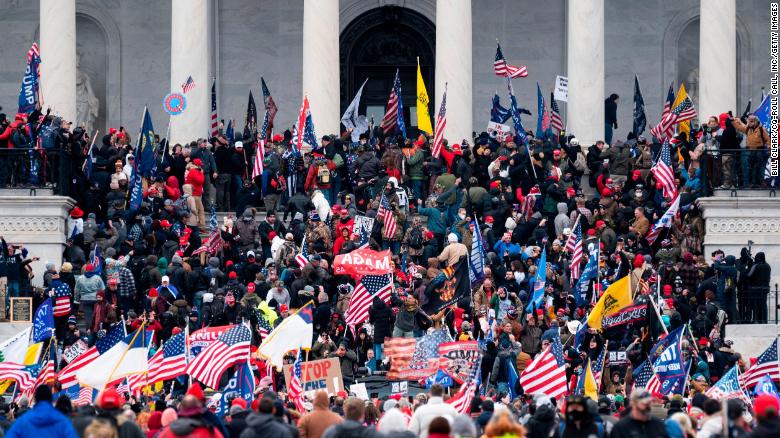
(717, 58)
(190, 57)
(321, 80)
(58, 56)
(453, 67)
(585, 69)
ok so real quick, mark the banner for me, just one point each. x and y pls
(561, 90)
(74, 350)
(451, 285)
(414, 359)
(202, 338)
(362, 262)
(322, 374)
(29, 92)
(458, 359)
(498, 130)
(628, 315)
(241, 385)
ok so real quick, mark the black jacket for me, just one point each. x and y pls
(265, 426)
(382, 317)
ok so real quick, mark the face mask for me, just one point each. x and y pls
(462, 216)
(503, 174)
(575, 416)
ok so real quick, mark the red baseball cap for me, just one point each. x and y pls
(165, 223)
(110, 399)
(197, 162)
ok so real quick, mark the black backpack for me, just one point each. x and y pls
(416, 238)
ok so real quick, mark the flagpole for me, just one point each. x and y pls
(124, 353)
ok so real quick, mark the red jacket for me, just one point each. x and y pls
(172, 188)
(8, 133)
(195, 178)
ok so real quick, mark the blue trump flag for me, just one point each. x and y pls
(43, 322)
(590, 272)
(763, 112)
(498, 113)
(229, 132)
(766, 386)
(144, 152)
(29, 92)
(540, 112)
(515, 112)
(477, 262)
(670, 366)
(539, 283)
(241, 385)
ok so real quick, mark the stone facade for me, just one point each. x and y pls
(126, 50)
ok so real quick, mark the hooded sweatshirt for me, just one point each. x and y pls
(562, 219)
(42, 420)
(87, 287)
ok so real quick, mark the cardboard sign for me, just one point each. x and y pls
(617, 357)
(561, 90)
(74, 350)
(363, 225)
(21, 309)
(458, 359)
(319, 374)
(499, 131)
(360, 391)
(362, 262)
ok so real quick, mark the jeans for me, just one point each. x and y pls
(398, 333)
(88, 308)
(393, 245)
(11, 291)
(608, 133)
(417, 185)
(378, 351)
(209, 192)
(334, 190)
(223, 191)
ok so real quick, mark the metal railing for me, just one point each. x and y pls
(23, 168)
(735, 169)
(758, 305)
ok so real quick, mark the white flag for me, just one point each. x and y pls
(351, 119)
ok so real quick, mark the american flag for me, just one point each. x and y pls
(263, 327)
(262, 137)
(665, 221)
(18, 373)
(556, 122)
(664, 173)
(598, 367)
(303, 257)
(295, 391)
(503, 69)
(67, 375)
(546, 374)
(62, 300)
(462, 399)
(214, 241)
(214, 121)
(646, 378)
(414, 356)
(123, 388)
(170, 361)
(136, 384)
(85, 396)
(441, 123)
(97, 264)
(728, 387)
(659, 131)
(268, 101)
(574, 246)
(303, 131)
(386, 213)
(368, 287)
(530, 201)
(766, 363)
(231, 348)
(680, 113)
(394, 116)
(188, 85)
(34, 51)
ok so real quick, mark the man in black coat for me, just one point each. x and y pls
(382, 318)
(758, 286)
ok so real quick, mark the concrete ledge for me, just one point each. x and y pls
(9, 330)
(751, 340)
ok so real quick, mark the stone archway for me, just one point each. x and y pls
(376, 44)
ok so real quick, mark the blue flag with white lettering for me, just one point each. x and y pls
(241, 385)
(539, 283)
(763, 112)
(43, 322)
(670, 366)
(765, 385)
(29, 92)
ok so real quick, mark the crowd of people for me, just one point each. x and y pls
(159, 264)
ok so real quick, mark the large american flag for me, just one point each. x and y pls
(503, 69)
(368, 287)
(766, 363)
(214, 242)
(295, 391)
(441, 123)
(574, 246)
(556, 122)
(462, 399)
(170, 361)
(680, 113)
(302, 258)
(646, 378)
(386, 213)
(67, 375)
(262, 137)
(231, 348)
(394, 114)
(546, 374)
(665, 221)
(663, 171)
(62, 300)
(659, 131)
(18, 373)
(188, 85)
(214, 121)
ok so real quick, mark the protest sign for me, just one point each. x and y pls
(499, 131)
(322, 374)
(458, 359)
(362, 262)
(561, 90)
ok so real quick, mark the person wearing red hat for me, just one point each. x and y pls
(194, 419)
(195, 178)
(767, 408)
(110, 402)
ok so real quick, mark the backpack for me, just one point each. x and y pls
(416, 238)
(181, 208)
(323, 175)
(218, 311)
(48, 135)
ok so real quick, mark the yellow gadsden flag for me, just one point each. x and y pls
(686, 125)
(423, 116)
(591, 387)
(616, 297)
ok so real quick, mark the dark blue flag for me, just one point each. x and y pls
(241, 385)
(498, 113)
(229, 132)
(515, 111)
(763, 112)
(540, 112)
(144, 153)
(30, 89)
(640, 120)
(43, 322)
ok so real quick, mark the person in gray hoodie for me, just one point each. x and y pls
(85, 292)
(562, 219)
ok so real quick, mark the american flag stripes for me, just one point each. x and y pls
(188, 85)
(302, 258)
(262, 137)
(659, 131)
(728, 387)
(85, 396)
(556, 122)
(18, 373)
(62, 299)
(574, 246)
(368, 287)
(214, 122)
(231, 348)
(597, 367)
(503, 69)
(766, 363)
(665, 221)
(462, 399)
(295, 391)
(441, 124)
(214, 242)
(263, 327)
(34, 51)
(664, 173)
(680, 113)
(67, 375)
(170, 361)
(646, 378)
(530, 201)
(386, 213)
(546, 374)
(301, 125)
(394, 116)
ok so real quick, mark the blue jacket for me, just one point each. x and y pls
(42, 420)
(501, 246)
(435, 219)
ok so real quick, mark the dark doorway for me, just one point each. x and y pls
(374, 46)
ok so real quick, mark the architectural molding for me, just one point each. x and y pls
(352, 9)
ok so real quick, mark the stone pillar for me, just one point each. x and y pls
(58, 56)
(717, 58)
(190, 57)
(453, 67)
(321, 79)
(585, 69)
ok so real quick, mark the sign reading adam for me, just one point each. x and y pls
(458, 359)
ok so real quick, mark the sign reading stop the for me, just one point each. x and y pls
(322, 374)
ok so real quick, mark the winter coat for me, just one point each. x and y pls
(247, 231)
(619, 159)
(87, 287)
(42, 420)
(381, 317)
(426, 413)
(755, 138)
(366, 166)
(315, 423)
(562, 219)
